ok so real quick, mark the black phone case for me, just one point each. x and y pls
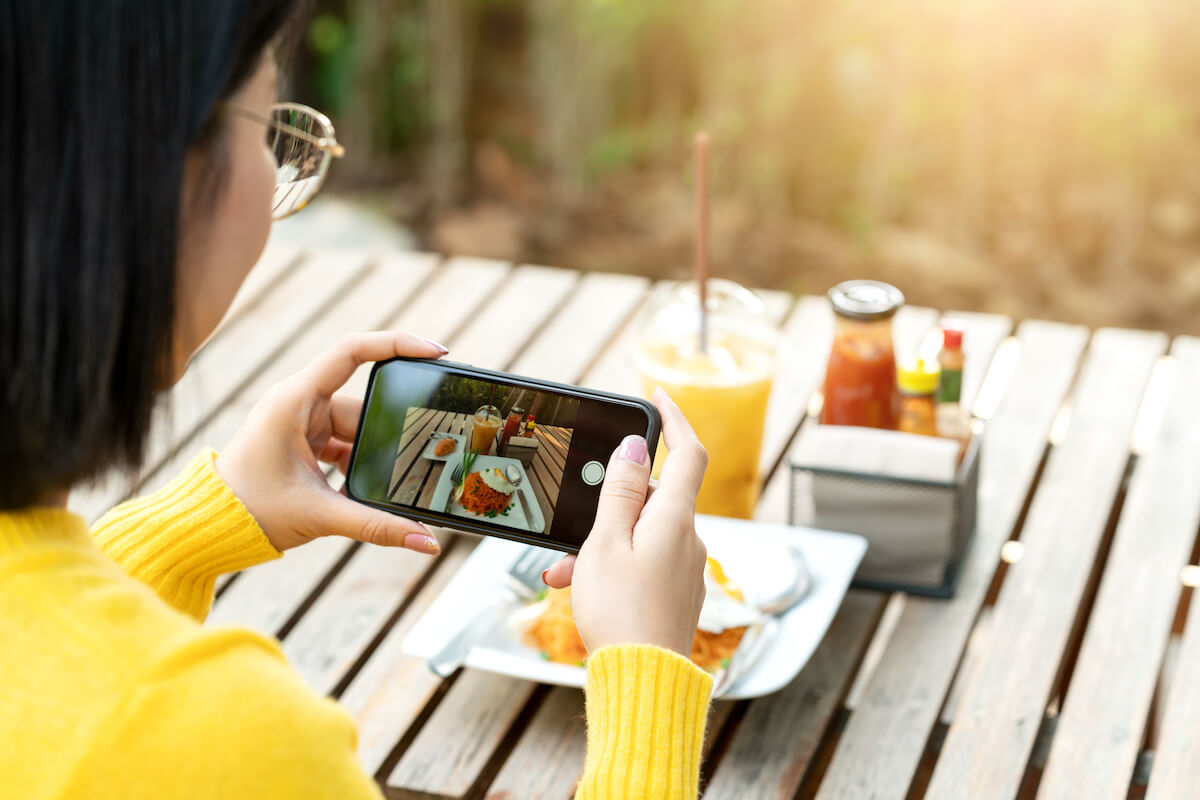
(462, 524)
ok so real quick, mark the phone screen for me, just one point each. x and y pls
(489, 452)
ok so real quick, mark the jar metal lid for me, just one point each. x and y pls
(866, 300)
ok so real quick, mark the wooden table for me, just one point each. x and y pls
(1067, 666)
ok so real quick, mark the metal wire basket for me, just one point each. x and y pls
(917, 531)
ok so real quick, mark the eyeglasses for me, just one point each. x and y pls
(304, 145)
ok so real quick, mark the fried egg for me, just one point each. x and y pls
(496, 481)
(723, 606)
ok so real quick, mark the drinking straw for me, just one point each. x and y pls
(700, 267)
(487, 412)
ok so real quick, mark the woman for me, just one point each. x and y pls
(137, 194)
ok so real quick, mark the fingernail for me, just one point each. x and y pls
(544, 572)
(633, 448)
(422, 543)
(439, 346)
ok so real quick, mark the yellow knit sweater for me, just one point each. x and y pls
(110, 687)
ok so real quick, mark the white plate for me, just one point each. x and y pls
(525, 514)
(747, 551)
(434, 438)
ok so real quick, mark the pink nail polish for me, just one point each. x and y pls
(633, 448)
(440, 347)
(423, 543)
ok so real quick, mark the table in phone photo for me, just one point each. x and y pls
(1067, 664)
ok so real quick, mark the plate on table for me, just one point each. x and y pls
(752, 554)
(523, 514)
(436, 437)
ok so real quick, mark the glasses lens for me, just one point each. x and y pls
(302, 164)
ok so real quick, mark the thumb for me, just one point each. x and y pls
(337, 515)
(624, 492)
(559, 574)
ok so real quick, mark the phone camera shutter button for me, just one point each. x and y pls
(593, 473)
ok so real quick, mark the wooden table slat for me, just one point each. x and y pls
(776, 740)
(393, 688)
(441, 307)
(600, 304)
(1101, 724)
(880, 749)
(410, 469)
(266, 597)
(334, 632)
(276, 261)
(548, 762)
(504, 323)
(1002, 707)
(1175, 771)
(458, 740)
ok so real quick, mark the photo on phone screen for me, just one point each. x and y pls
(496, 454)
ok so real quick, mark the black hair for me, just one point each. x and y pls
(100, 103)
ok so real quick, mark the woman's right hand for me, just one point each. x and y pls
(639, 577)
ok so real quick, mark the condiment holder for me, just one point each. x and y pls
(522, 448)
(917, 528)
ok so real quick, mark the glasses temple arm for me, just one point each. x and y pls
(329, 145)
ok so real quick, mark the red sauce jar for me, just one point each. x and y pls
(860, 379)
(512, 426)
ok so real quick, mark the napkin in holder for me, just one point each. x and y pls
(522, 448)
(910, 496)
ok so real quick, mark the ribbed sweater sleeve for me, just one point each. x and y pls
(646, 712)
(180, 538)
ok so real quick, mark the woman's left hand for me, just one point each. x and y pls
(272, 462)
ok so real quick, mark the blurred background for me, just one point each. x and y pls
(1030, 157)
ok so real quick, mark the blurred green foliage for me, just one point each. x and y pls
(466, 395)
(965, 115)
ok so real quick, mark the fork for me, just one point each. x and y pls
(521, 584)
(456, 476)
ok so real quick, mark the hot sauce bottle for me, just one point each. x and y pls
(860, 379)
(952, 419)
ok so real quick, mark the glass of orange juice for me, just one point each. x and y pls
(722, 391)
(484, 425)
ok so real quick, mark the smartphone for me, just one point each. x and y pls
(489, 452)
